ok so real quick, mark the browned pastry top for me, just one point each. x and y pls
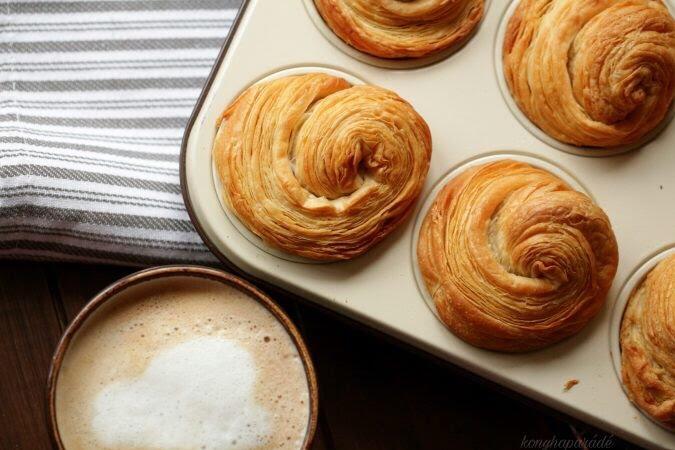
(319, 168)
(648, 344)
(514, 258)
(598, 73)
(401, 28)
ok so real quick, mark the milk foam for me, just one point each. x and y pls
(198, 394)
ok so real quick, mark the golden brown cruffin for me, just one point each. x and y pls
(514, 258)
(596, 73)
(401, 28)
(319, 168)
(648, 344)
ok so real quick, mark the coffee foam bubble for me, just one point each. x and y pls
(198, 394)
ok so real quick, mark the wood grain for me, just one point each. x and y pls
(29, 331)
(373, 394)
(75, 284)
(377, 396)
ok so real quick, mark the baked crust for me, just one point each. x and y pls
(319, 168)
(401, 29)
(648, 344)
(514, 258)
(597, 73)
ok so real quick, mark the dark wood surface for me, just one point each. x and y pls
(374, 394)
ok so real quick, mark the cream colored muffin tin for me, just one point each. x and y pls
(461, 100)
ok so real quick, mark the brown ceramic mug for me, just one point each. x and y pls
(122, 331)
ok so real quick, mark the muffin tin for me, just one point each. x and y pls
(464, 102)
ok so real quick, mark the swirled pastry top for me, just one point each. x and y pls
(597, 73)
(514, 258)
(320, 168)
(401, 28)
(648, 344)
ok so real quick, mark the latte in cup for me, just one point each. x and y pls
(182, 363)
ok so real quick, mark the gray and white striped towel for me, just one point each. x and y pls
(93, 100)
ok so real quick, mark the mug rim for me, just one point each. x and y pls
(195, 271)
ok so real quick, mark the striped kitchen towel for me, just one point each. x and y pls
(93, 101)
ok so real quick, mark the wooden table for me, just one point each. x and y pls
(374, 394)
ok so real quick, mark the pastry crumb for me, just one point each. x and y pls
(569, 384)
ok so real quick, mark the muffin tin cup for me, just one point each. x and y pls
(110, 293)
(538, 132)
(386, 63)
(534, 161)
(461, 100)
(631, 284)
(252, 238)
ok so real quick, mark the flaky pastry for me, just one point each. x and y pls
(320, 168)
(401, 28)
(597, 73)
(648, 344)
(514, 258)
